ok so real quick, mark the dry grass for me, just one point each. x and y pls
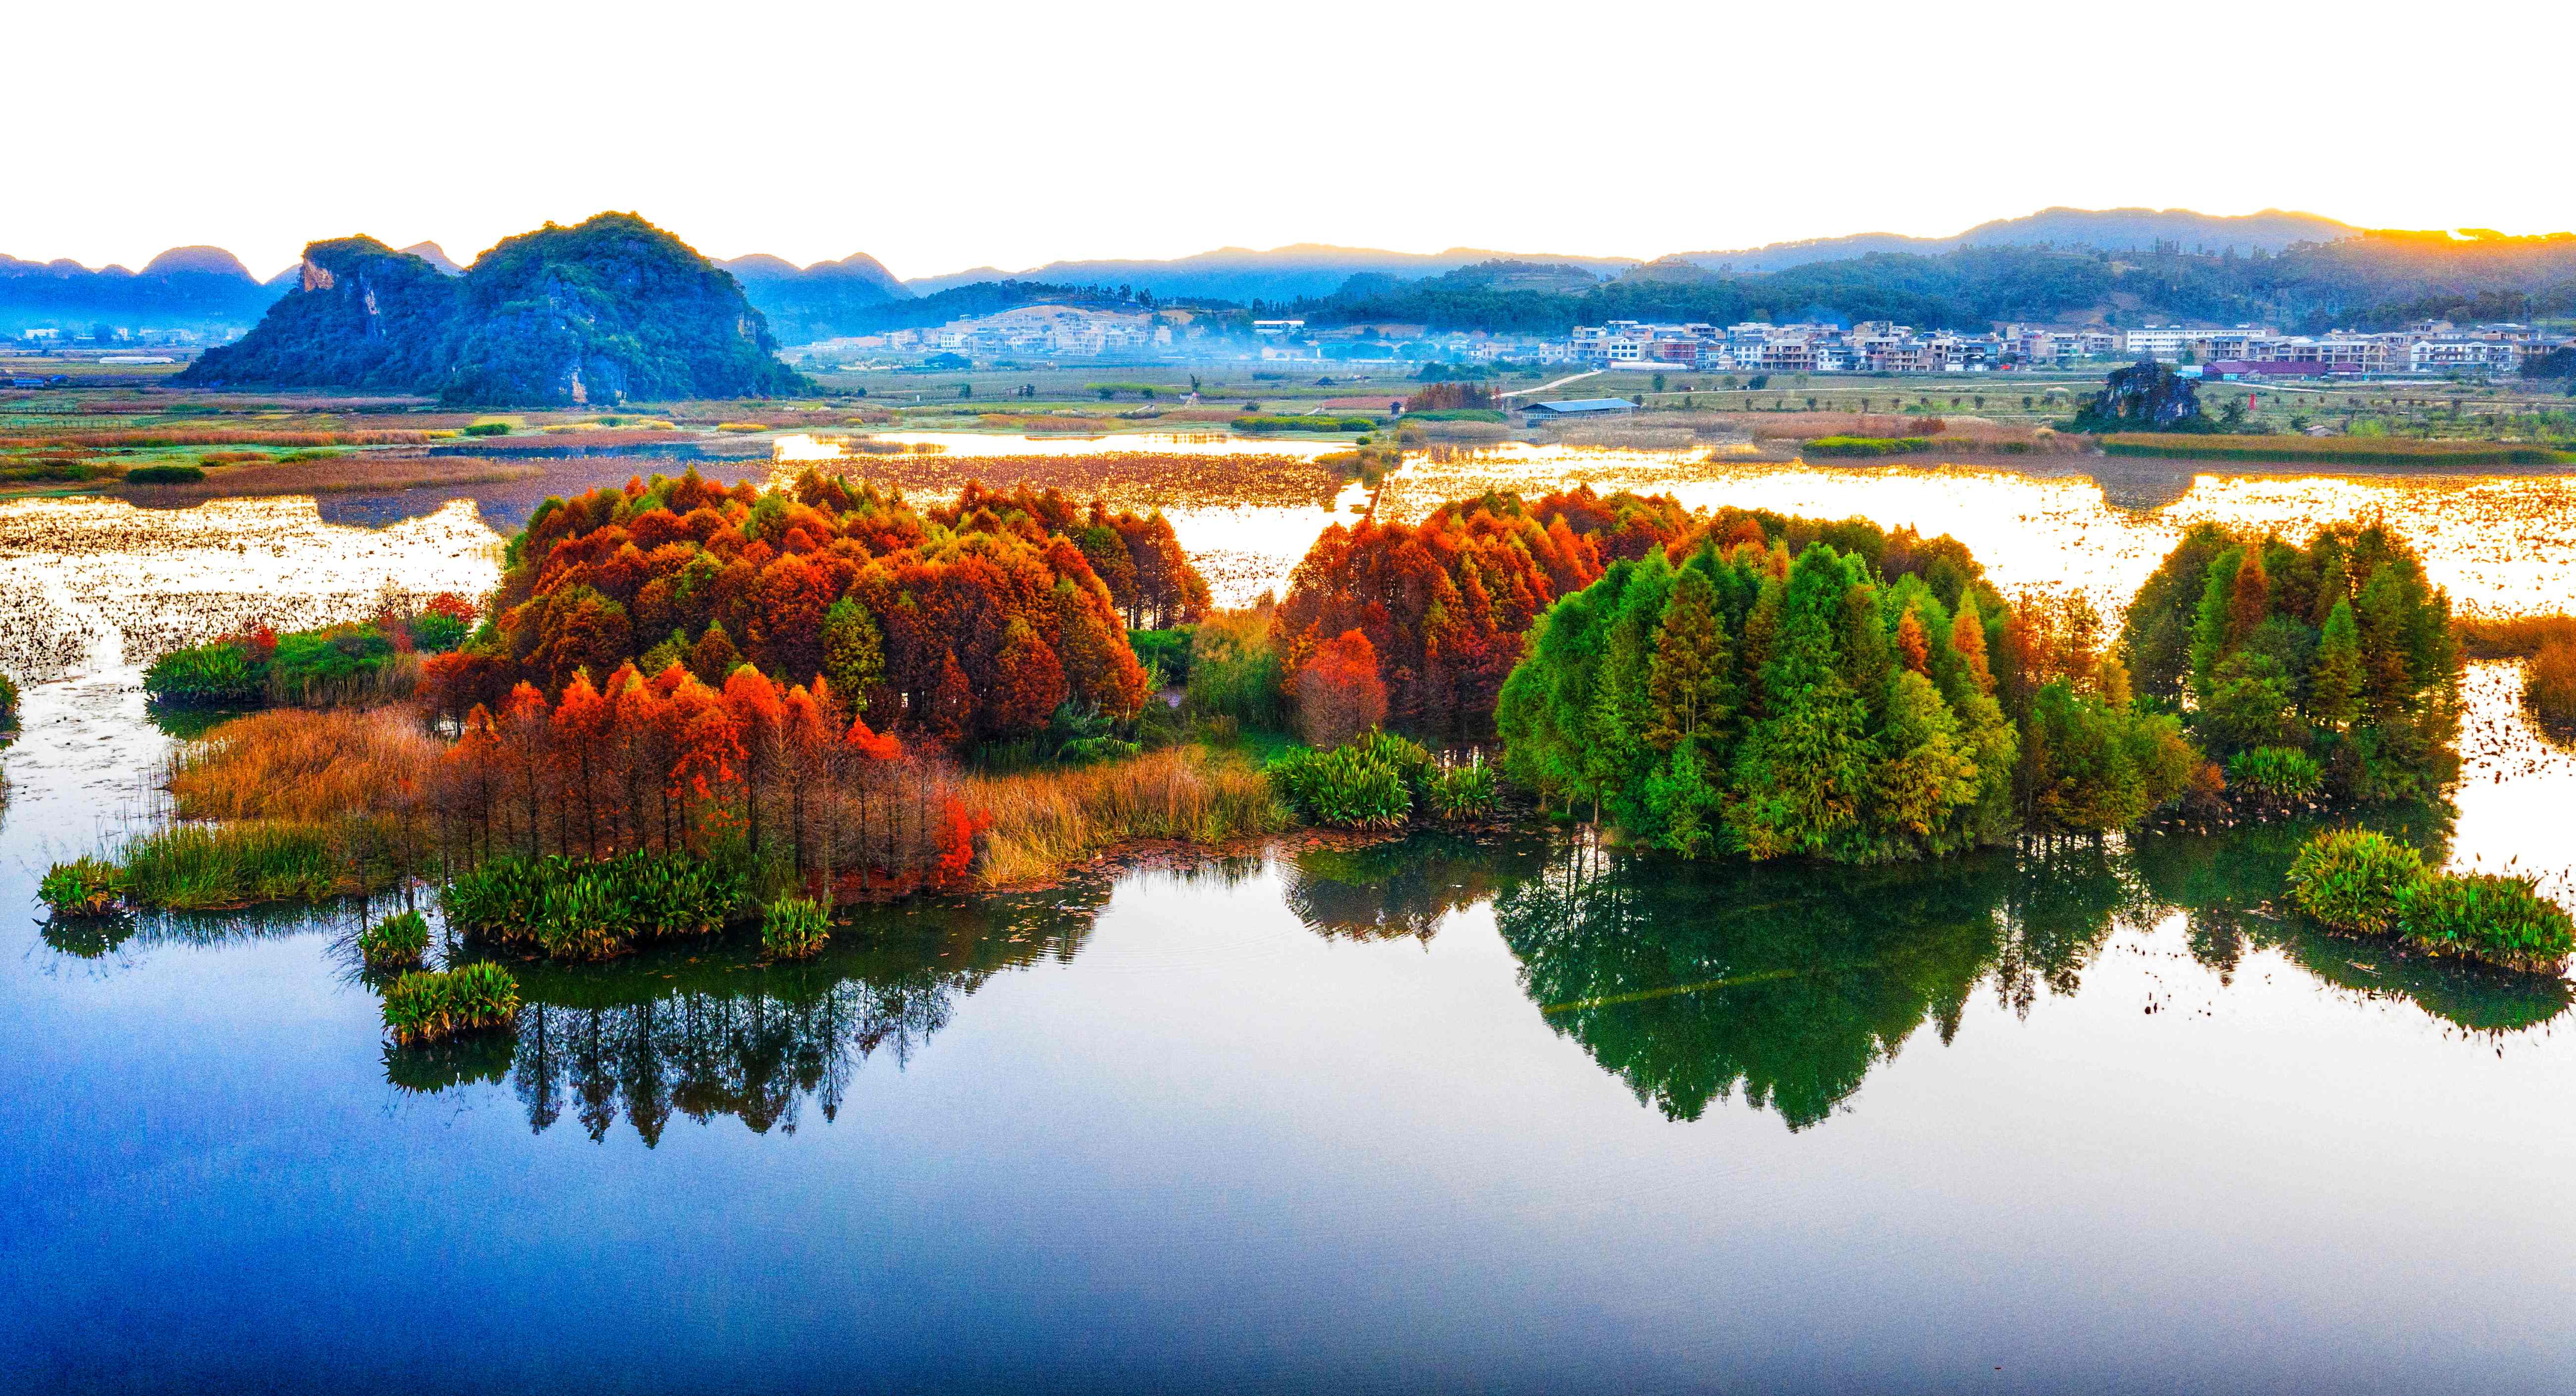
(2512, 637)
(2549, 683)
(290, 764)
(341, 475)
(1126, 479)
(1046, 822)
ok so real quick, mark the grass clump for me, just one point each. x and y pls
(2355, 881)
(2348, 879)
(178, 474)
(2500, 919)
(400, 941)
(83, 887)
(1461, 792)
(794, 928)
(572, 909)
(2275, 776)
(1366, 783)
(426, 1006)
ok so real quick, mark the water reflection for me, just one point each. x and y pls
(1788, 986)
(1401, 888)
(704, 1032)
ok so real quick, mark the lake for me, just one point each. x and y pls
(1509, 1114)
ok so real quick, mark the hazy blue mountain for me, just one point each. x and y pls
(1243, 275)
(198, 288)
(2109, 230)
(817, 302)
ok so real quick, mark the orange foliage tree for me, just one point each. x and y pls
(1339, 694)
(671, 765)
(1444, 604)
(968, 622)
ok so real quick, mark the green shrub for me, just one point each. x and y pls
(1460, 792)
(333, 664)
(423, 1006)
(208, 676)
(434, 633)
(180, 474)
(1167, 650)
(8, 704)
(83, 887)
(2275, 775)
(2349, 879)
(794, 928)
(400, 941)
(2502, 920)
(1367, 783)
(488, 429)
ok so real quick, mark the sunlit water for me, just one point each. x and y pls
(2501, 543)
(1502, 1116)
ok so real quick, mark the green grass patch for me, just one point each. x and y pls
(1366, 784)
(83, 887)
(1268, 423)
(210, 867)
(426, 1006)
(576, 910)
(181, 474)
(794, 928)
(1866, 446)
(400, 941)
(2359, 882)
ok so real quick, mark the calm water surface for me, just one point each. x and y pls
(1510, 1115)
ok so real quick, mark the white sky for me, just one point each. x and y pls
(944, 136)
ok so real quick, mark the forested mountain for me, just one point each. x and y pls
(607, 310)
(198, 288)
(2375, 281)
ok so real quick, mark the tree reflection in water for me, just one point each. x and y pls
(705, 1031)
(1696, 982)
(1401, 888)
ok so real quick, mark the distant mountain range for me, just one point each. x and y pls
(1242, 275)
(2100, 230)
(207, 289)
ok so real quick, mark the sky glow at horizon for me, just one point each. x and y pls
(1039, 134)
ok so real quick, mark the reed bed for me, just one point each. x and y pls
(2512, 637)
(226, 436)
(1048, 821)
(216, 867)
(292, 764)
(1140, 480)
(2330, 450)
